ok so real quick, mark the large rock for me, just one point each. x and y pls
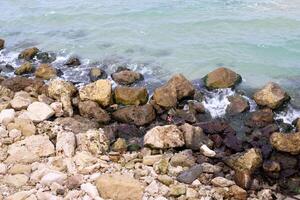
(184, 88)
(91, 109)
(119, 187)
(29, 53)
(62, 91)
(30, 149)
(25, 68)
(19, 83)
(96, 74)
(238, 104)
(271, 95)
(260, 118)
(38, 111)
(165, 96)
(99, 91)
(138, 115)
(126, 76)
(131, 95)
(77, 124)
(222, 78)
(21, 100)
(46, 72)
(286, 142)
(163, 137)
(2, 42)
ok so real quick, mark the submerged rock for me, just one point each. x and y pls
(126, 76)
(29, 53)
(25, 68)
(131, 95)
(286, 142)
(46, 72)
(2, 42)
(271, 95)
(91, 109)
(96, 74)
(73, 61)
(222, 78)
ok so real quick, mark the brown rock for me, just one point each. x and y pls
(2, 42)
(96, 74)
(25, 68)
(286, 142)
(260, 118)
(45, 71)
(238, 193)
(165, 96)
(29, 53)
(271, 95)
(126, 77)
(91, 109)
(20, 83)
(5, 92)
(131, 95)
(243, 179)
(238, 104)
(73, 61)
(26, 126)
(184, 88)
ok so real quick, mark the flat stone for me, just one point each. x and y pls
(38, 111)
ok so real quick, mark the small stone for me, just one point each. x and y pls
(25, 68)
(46, 72)
(243, 179)
(14, 134)
(120, 145)
(131, 95)
(90, 189)
(58, 108)
(151, 159)
(26, 126)
(53, 177)
(74, 181)
(65, 143)
(184, 159)
(96, 74)
(222, 182)
(238, 193)
(209, 168)
(29, 53)
(21, 100)
(3, 168)
(152, 188)
(39, 111)
(191, 193)
(20, 169)
(162, 165)
(207, 151)
(17, 180)
(7, 116)
(177, 190)
(165, 179)
(188, 176)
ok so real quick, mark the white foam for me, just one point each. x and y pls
(288, 115)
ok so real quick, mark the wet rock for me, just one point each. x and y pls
(286, 142)
(29, 53)
(271, 166)
(119, 187)
(7, 68)
(30, 149)
(46, 72)
(96, 74)
(38, 111)
(184, 88)
(26, 126)
(63, 92)
(271, 95)
(45, 57)
(65, 143)
(238, 193)
(260, 118)
(162, 137)
(19, 83)
(21, 100)
(182, 115)
(25, 68)
(184, 158)
(222, 78)
(2, 42)
(77, 124)
(126, 76)
(99, 91)
(91, 109)
(188, 176)
(73, 61)
(165, 96)
(131, 95)
(222, 182)
(238, 104)
(138, 115)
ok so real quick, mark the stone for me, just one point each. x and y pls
(131, 95)
(58, 108)
(184, 88)
(25, 68)
(119, 145)
(92, 110)
(138, 115)
(184, 158)
(17, 180)
(53, 177)
(30, 149)
(19, 83)
(46, 72)
(21, 100)
(209, 168)
(38, 111)
(20, 169)
(163, 137)
(165, 179)
(222, 182)
(260, 118)
(188, 176)
(46, 57)
(76, 124)
(238, 193)
(99, 91)
(7, 116)
(286, 142)
(192, 193)
(15, 134)
(96, 74)
(5, 92)
(238, 104)
(126, 76)
(65, 143)
(90, 189)
(2, 42)
(271, 96)
(119, 187)
(22, 195)
(162, 166)
(73, 61)
(26, 126)
(271, 166)
(28, 54)
(243, 179)
(74, 181)
(151, 159)
(165, 96)
(207, 151)
(177, 190)
(222, 78)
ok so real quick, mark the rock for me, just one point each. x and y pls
(151, 159)
(260, 118)
(222, 78)
(238, 104)
(211, 169)
(21, 100)
(53, 177)
(153, 188)
(90, 189)
(96, 74)
(7, 116)
(46, 57)
(271, 96)
(138, 115)
(194, 137)
(26, 126)
(131, 95)
(184, 88)
(5, 92)
(29, 53)
(162, 137)
(120, 145)
(222, 182)
(165, 179)
(243, 179)
(38, 111)
(188, 176)
(63, 91)
(207, 151)
(119, 187)
(238, 193)
(162, 165)
(74, 181)
(126, 77)
(271, 166)
(77, 124)
(184, 158)
(177, 190)
(19, 83)
(30, 149)
(17, 180)
(73, 61)
(58, 108)
(99, 91)
(286, 142)
(2, 42)
(15, 134)
(165, 96)
(46, 72)
(25, 68)
(65, 143)
(20, 169)
(92, 110)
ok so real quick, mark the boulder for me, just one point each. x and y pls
(184, 88)
(46, 57)
(286, 142)
(238, 104)
(30, 149)
(73, 61)
(38, 111)
(19, 83)
(26, 126)
(96, 74)
(21, 100)
(165, 96)
(2, 42)
(29, 53)
(138, 115)
(46, 72)
(271, 96)
(222, 78)
(25, 68)
(131, 95)
(126, 76)
(163, 137)
(91, 109)
(119, 187)
(99, 91)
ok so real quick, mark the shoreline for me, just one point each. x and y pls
(61, 141)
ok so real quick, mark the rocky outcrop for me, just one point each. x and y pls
(131, 95)
(28, 54)
(222, 78)
(46, 72)
(271, 96)
(286, 142)
(25, 68)
(92, 110)
(126, 76)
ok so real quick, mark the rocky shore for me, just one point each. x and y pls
(111, 139)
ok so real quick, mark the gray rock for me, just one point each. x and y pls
(188, 176)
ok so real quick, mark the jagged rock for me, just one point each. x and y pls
(271, 95)
(222, 78)
(65, 143)
(38, 111)
(286, 142)
(29, 53)
(96, 74)
(119, 187)
(25, 68)
(21, 100)
(222, 182)
(73, 61)
(46, 72)
(2, 42)
(26, 126)
(131, 95)
(138, 115)
(165, 96)
(126, 76)
(91, 109)
(238, 104)
(162, 137)
(99, 91)
(184, 88)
